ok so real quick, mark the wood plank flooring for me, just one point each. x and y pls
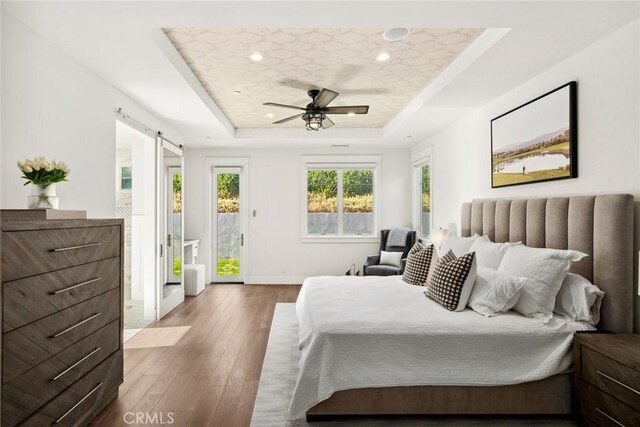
(210, 377)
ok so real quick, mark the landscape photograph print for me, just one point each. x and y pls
(536, 141)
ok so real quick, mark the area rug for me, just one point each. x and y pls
(278, 378)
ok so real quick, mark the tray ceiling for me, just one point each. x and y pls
(296, 60)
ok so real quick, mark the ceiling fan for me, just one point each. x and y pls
(315, 113)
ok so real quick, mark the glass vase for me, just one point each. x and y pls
(43, 197)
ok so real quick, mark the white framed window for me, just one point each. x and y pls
(422, 200)
(340, 198)
(126, 177)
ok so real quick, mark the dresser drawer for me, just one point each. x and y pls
(34, 343)
(611, 376)
(28, 392)
(78, 404)
(31, 299)
(600, 409)
(27, 253)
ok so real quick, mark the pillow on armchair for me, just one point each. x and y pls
(391, 258)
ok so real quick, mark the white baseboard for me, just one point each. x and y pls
(276, 280)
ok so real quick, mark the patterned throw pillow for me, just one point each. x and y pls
(452, 280)
(418, 262)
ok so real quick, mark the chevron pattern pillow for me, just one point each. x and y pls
(418, 262)
(451, 283)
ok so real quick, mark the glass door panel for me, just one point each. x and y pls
(425, 201)
(228, 224)
(174, 217)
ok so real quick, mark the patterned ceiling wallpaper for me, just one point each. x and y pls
(296, 60)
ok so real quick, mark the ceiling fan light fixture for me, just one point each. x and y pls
(256, 56)
(351, 114)
(395, 34)
(270, 115)
(383, 56)
(314, 121)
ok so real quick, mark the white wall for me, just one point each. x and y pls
(276, 253)
(52, 106)
(608, 75)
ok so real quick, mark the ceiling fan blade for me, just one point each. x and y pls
(327, 123)
(365, 91)
(355, 109)
(273, 104)
(297, 116)
(324, 98)
(297, 84)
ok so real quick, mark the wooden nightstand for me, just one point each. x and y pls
(607, 379)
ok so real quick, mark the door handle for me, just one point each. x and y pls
(168, 240)
(241, 238)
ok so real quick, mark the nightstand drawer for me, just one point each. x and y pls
(27, 253)
(31, 299)
(34, 343)
(600, 409)
(611, 376)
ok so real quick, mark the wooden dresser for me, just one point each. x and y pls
(607, 379)
(62, 299)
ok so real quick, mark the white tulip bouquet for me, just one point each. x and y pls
(43, 172)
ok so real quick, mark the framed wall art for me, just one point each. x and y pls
(536, 141)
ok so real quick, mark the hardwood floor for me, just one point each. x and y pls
(210, 377)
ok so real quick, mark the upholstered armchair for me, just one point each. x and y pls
(372, 266)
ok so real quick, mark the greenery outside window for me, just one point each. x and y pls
(125, 178)
(422, 191)
(340, 200)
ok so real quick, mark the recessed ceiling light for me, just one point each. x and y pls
(351, 114)
(270, 115)
(256, 56)
(395, 34)
(236, 92)
(383, 56)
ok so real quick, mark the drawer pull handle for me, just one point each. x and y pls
(73, 248)
(76, 325)
(57, 377)
(618, 382)
(79, 285)
(59, 420)
(610, 417)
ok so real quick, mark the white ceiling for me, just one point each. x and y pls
(298, 59)
(122, 42)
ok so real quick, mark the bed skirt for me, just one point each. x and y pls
(550, 396)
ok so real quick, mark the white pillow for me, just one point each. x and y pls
(390, 258)
(489, 254)
(459, 245)
(546, 268)
(494, 292)
(579, 299)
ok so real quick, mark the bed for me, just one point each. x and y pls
(526, 382)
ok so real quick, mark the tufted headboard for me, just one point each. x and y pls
(600, 226)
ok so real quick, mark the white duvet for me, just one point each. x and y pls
(358, 332)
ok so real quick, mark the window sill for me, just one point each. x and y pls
(340, 239)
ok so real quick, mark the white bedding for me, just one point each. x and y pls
(358, 332)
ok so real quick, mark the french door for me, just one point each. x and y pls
(170, 226)
(228, 224)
